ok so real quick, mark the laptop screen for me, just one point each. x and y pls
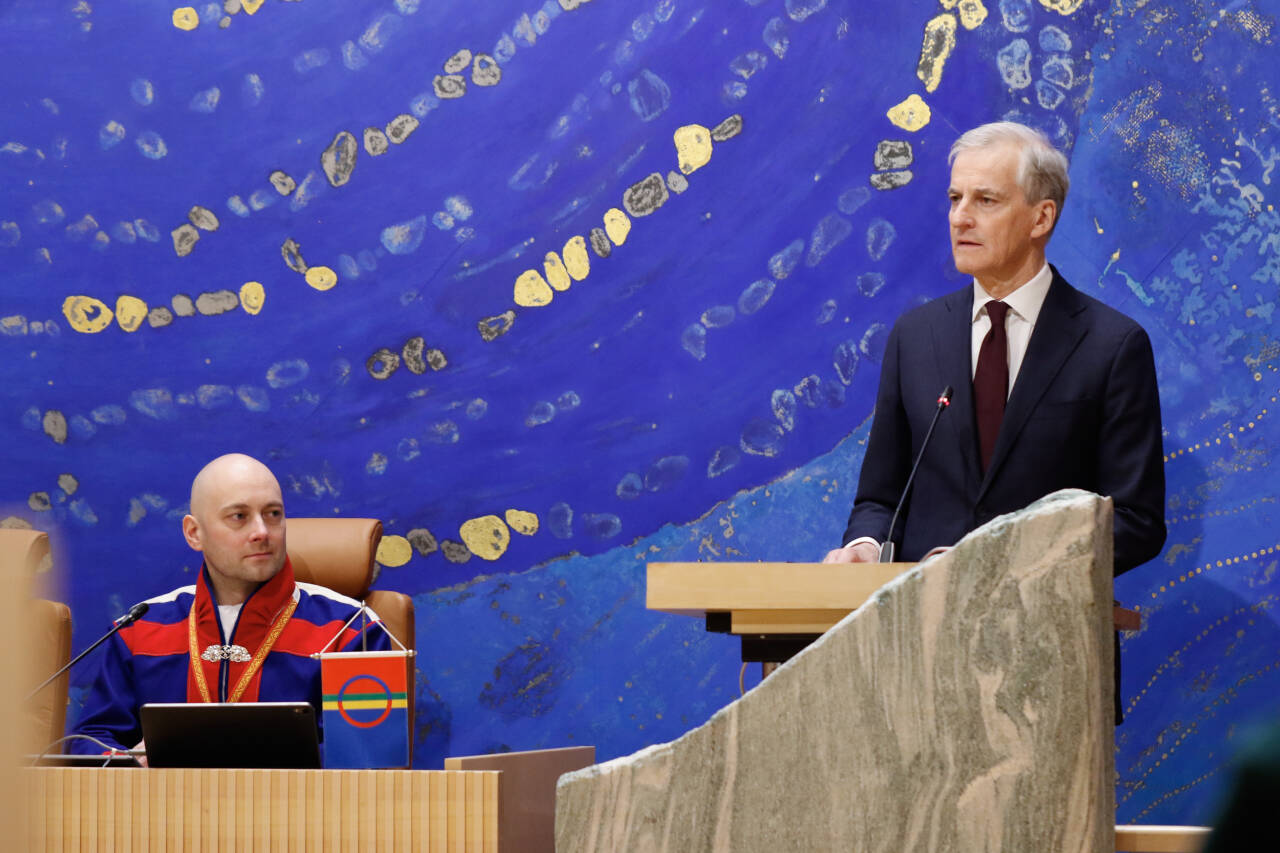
(280, 735)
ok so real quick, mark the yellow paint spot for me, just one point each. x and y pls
(486, 536)
(693, 147)
(557, 275)
(186, 18)
(912, 114)
(1115, 256)
(616, 225)
(130, 312)
(1062, 7)
(394, 551)
(252, 296)
(531, 290)
(972, 13)
(575, 258)
(251, 7)
(321, 278)
(522, 522)
(939, 41)
(86, 314)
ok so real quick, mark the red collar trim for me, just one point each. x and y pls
(257, 616)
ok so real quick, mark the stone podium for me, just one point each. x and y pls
(967, 706)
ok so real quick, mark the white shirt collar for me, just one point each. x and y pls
(1026, 300)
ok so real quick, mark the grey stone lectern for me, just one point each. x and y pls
(966, 707)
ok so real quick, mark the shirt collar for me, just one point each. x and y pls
(1025, 300)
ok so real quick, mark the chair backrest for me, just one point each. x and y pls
(338, 553)
(50, 638)
(25, 553)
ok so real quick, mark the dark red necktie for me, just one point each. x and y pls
(991, 381)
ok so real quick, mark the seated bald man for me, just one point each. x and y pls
(244, 632)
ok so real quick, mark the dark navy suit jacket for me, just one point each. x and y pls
(1084, 413)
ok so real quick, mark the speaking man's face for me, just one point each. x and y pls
(997, 236)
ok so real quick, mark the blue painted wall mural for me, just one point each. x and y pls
(557, 289)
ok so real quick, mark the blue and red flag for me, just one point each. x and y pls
(366, 709)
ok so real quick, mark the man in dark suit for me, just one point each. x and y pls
(1052, 388)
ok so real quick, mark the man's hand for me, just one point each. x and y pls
(862, 552)
(141, 759)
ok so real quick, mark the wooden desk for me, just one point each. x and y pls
(777, 608)
(94, 809)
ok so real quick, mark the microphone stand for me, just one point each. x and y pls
(135, 613)
(887, 549)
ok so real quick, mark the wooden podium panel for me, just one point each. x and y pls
(528, 812)
(93, 809)
(781, 598)
(768, 598)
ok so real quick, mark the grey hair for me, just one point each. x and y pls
(1042, 169)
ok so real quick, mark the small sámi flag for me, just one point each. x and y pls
(366, 709)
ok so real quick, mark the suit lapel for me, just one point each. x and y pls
(952, 347)
(1058, 332)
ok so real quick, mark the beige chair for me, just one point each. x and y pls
(338, 553)
(25, 553)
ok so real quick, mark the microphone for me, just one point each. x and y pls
(887, 549)
(135, 613)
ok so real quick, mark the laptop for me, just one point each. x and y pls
(279, 735)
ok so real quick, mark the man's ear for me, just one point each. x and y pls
(1046, 216)
(191, 532)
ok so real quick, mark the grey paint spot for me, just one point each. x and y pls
(39, 501)
(449, 86)
(184, 239)
(436, 359)
(183, 306)
(722, 460)
(375, 141)
(422, 541)
(600, 242)
(291, 251)
(55, 426)
(159, 317)
(495, 327)
(845, 360)
(412, 355)
(82, 228)
(382, 364)
(282, 182)
(399, 128)
(644, 197)
(893, 154)
(891, 180)
(339, 159)
(68, 483)
(677, 182)
(217, 302)
(457, 62)
(694, 340)
(727, 129)
(486, 71)
(455, 552)
(203, 218)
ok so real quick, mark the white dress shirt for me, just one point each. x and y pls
(1024, 307)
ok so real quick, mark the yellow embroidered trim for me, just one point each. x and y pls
(194, 646)
(261, 654)
(276, 629)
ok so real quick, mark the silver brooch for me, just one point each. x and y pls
(237, 654)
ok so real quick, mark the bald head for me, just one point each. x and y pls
(231, 471)
(237, 520)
